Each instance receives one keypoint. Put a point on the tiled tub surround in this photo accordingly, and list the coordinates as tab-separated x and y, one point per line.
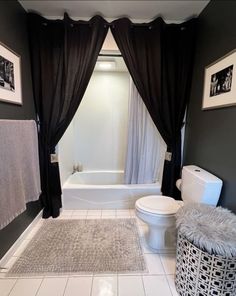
158	281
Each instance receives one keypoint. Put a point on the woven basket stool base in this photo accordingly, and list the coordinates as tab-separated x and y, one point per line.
201	274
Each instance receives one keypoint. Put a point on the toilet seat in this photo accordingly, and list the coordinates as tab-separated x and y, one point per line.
158	205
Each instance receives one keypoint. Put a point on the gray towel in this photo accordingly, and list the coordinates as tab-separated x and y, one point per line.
19	167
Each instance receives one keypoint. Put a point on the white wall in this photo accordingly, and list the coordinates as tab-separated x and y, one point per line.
66	153
100	124
97	135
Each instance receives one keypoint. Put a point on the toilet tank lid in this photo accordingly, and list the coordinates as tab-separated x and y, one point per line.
201	174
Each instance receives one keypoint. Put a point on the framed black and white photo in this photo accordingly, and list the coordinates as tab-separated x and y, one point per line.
220	83
10	76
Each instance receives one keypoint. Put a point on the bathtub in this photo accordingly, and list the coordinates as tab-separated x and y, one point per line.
103	190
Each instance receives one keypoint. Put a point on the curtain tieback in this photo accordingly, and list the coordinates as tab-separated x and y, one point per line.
53	158
168	156
53	155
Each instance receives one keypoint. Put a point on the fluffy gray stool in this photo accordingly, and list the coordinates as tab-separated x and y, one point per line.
206	251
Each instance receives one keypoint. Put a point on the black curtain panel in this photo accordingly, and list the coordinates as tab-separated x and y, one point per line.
64	54
159	57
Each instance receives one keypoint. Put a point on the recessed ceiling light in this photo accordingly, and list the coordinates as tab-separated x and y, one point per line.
106	65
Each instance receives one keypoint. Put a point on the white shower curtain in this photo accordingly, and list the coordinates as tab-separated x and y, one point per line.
145	148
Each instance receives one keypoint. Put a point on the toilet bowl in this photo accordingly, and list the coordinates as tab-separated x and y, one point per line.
158	211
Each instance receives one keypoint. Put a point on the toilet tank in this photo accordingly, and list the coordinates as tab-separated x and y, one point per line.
200	186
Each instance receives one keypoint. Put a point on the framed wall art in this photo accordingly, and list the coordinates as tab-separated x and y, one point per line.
10	76
220	83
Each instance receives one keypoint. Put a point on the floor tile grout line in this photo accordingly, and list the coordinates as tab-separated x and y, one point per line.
66	286
117	291
162	264
39	286
90	275
143	286
117	283
159	275
169	285
91	289
12	287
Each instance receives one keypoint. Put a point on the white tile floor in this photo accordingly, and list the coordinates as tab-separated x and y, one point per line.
159	281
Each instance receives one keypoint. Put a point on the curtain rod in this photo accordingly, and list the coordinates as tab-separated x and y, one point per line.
109	55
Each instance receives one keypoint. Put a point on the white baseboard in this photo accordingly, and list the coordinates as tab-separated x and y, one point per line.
16	244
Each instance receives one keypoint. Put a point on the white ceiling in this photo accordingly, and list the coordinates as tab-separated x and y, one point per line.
171	11
175	11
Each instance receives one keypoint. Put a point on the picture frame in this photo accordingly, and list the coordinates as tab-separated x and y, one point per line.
10	76
220	83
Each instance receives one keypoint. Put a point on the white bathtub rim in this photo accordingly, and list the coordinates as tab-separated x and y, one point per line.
100	171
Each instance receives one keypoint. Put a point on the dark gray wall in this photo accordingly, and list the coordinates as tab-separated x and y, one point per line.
211	135
13	33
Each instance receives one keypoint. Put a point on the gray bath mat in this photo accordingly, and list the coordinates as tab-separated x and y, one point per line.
82	246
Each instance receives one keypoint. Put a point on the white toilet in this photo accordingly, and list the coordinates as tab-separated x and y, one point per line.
158	211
